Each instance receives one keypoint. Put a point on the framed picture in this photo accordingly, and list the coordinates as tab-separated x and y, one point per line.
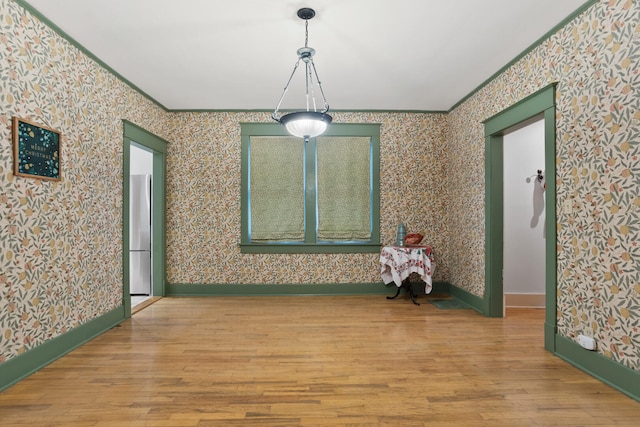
36	150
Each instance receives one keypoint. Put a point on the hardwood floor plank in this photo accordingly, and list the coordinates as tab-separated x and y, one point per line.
315	361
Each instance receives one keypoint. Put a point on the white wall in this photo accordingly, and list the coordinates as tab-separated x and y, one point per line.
141	161
524	225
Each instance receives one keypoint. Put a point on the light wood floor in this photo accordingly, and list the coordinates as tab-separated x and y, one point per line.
315	361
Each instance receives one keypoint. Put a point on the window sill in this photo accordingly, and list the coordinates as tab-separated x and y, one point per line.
305	248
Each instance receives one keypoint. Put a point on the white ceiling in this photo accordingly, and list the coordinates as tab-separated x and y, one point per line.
370	54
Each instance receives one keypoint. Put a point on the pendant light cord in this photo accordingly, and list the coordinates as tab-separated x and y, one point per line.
306	55
306	33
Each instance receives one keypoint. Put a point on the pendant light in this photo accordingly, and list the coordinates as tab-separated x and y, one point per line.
310	122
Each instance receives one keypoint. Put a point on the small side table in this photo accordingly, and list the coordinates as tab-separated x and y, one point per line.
398	262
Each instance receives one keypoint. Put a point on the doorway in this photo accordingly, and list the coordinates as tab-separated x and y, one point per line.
541	103
140	224
138	142
524	222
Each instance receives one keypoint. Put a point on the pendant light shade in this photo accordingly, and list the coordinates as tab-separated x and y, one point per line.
310	122
306	124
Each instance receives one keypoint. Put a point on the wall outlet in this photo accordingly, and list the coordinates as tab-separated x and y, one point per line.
587	342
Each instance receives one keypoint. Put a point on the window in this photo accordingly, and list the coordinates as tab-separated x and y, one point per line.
322	196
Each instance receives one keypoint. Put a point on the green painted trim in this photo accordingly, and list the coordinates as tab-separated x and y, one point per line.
126	206
620	377
144	137
441	288
531	47
301	248
159	217
84	50
276	289
135	135
332	111
375	202
20	367
392	111
494	217
334	129
520	114
522	110
310	192
75	43
550	331
218	110
477	303
371	130
551	240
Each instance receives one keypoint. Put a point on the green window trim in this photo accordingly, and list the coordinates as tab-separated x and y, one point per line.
308	246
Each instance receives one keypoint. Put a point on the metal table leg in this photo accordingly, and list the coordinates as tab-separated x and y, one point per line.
406	284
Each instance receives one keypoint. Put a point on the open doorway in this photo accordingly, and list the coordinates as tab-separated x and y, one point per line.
140	224
139	149
541	103
524	221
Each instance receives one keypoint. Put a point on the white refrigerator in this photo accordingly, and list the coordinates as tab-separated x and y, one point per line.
140	235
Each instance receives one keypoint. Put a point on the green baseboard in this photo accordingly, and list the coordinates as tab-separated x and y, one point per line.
549	337
276	289
606	370
475	302
20	367
618	376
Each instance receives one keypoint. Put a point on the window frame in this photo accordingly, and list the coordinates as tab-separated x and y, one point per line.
311	245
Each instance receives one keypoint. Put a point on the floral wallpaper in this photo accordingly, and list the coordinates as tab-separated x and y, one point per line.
60	245
595	60
61	251
203	206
